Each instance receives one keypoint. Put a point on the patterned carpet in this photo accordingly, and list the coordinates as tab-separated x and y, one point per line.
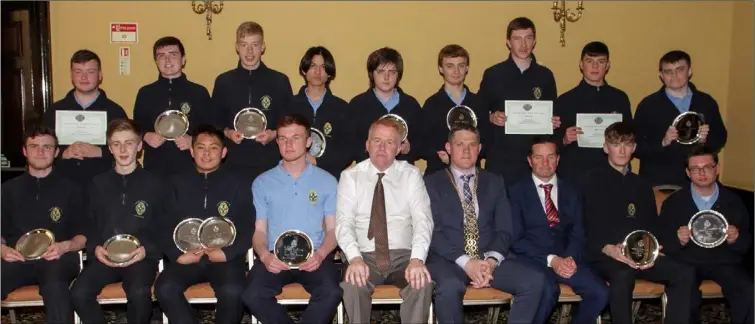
713	312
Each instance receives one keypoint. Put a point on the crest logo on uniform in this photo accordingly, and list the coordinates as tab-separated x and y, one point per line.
313	197
537	93
223	208
55	214
185	108
327	128
598	120
140	207
631	209
266	101
527	107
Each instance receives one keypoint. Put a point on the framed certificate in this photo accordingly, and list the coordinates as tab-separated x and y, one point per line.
80	126
593	128
529	117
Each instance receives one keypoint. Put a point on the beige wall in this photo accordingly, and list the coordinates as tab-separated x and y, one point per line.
638	33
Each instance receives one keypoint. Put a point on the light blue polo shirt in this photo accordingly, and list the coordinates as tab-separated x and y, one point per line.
295	204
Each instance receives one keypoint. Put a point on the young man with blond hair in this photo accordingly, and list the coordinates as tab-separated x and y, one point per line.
250	84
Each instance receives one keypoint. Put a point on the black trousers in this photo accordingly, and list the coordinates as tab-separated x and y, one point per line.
137	283
322	284
736	285
678	278
53	278
226	279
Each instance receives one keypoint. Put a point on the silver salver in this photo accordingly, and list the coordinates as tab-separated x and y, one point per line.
119	248
294	247
708	228
688	126
34	243
250	122
317	149
172	124
461	115
641	247
186	234
217	232
403	127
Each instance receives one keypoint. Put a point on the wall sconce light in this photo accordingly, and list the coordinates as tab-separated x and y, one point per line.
562	15
208	7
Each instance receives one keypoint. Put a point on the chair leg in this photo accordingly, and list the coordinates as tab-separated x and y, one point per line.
664	301
496	312
339	313
76	318
430	314
165	318
12	313
563	313
635	309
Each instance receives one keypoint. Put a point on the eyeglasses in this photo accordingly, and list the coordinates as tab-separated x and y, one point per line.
706	168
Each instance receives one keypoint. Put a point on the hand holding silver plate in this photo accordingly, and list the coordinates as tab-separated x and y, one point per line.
33	244
708	228
641	247
317	149
250	122
119	248
688	126
294	247
461	115
172	124
402	125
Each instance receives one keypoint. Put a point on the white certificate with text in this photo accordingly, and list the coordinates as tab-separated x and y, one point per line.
529	117
593	128
80	126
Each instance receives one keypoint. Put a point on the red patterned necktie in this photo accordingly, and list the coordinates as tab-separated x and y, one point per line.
550	208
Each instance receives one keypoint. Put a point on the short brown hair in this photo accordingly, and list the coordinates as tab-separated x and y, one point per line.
519	24
382	56
463	127
35	130
123	124
249	28
295	119
388	122
451	51
620	132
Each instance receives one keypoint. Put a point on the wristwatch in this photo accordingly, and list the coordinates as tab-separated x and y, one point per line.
494	259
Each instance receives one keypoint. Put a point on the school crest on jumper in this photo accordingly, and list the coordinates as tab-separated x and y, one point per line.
55	214
266	101
327	128
185	108
140	207
631	209
223	208
312	197
537	93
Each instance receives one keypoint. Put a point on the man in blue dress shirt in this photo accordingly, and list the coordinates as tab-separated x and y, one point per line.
294	195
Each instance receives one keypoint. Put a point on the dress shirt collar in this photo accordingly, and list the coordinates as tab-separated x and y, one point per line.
373	170
538	182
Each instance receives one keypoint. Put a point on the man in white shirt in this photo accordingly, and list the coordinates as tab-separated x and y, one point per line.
547	214
376	197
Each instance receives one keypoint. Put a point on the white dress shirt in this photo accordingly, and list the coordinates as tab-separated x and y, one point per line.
407	207
554	198
461	261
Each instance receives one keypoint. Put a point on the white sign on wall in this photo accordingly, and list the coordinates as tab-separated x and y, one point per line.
124	60
124	33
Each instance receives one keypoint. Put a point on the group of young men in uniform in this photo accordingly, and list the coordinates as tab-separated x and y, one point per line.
543	211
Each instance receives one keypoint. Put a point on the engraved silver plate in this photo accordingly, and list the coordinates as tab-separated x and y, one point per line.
708	228
318	143
250	122
293	247
172	124
34	243
688	127
217	232
403	127
186	234
119	248
641	247
461	115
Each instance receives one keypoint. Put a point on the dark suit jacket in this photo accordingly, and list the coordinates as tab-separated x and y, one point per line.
494	219
533	236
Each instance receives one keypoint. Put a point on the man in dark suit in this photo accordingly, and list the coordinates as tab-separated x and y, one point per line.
547	218
472	234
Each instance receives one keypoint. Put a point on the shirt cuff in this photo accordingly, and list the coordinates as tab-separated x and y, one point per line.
351	253
549	259
462	260
495	255
419	252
